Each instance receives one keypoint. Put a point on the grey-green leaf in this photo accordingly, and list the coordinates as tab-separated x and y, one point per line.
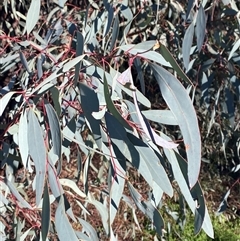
200	27
33	15
182	108
24	61
54	184
16	194
88	228
4	101
136	196
37	152
63	226
55	133
23	138
160	116
191	3
46	213
187	44
112	108
168	57
180	175
147	208
109	20
117	187
235	47
71	63
153	163
145	52
90	103
115	32
79	51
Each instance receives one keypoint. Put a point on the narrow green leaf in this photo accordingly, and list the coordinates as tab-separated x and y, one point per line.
39	38
118	135
9	58
127	80
100	114
46	88
136	49
197	195
46	213
111	106
148	130
168	57
2	197
69	130
229	95
182	108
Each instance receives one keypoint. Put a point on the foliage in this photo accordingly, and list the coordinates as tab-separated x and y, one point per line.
223	229
79	116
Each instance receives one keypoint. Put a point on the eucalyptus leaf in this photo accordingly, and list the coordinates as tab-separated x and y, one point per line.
181	106
37	152
33	15
55	133
187	44
200	27
46	215
63	226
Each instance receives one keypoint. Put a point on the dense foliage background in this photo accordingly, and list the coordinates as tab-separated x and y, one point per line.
108	109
